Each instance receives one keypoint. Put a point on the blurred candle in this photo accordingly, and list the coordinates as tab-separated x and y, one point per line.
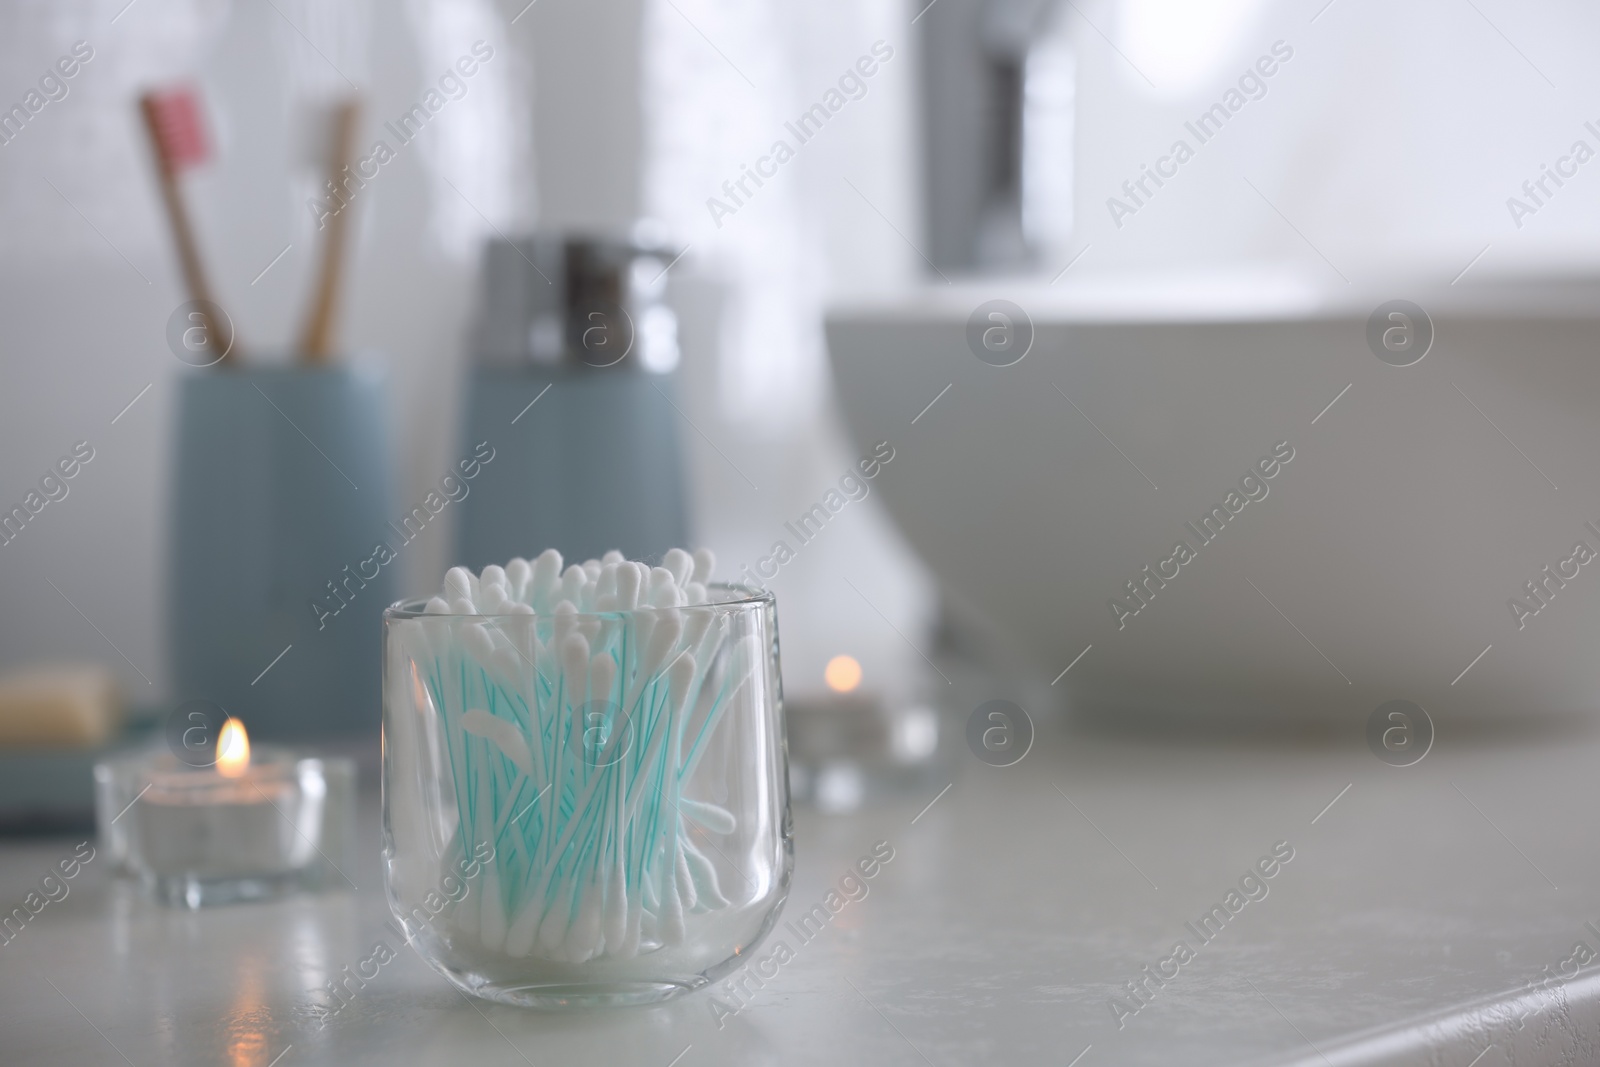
250	827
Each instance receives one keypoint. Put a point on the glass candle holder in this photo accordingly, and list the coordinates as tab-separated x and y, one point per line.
586	808
194	837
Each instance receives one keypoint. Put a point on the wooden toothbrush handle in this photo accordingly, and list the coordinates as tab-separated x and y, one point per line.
316	341
194	274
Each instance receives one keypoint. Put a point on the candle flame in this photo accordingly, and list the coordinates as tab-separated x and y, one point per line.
233	749
842	674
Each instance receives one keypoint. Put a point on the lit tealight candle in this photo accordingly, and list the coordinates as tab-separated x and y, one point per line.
849	741
233	750
249	827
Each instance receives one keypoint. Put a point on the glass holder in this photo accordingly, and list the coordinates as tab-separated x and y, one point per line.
586	808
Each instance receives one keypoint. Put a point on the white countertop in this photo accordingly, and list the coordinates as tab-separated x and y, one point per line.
1414	911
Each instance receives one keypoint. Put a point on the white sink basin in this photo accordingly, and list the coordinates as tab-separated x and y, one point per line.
1378	566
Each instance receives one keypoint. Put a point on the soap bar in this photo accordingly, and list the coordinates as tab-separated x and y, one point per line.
60	705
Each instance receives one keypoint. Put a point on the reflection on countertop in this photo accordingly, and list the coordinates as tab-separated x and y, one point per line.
1422	911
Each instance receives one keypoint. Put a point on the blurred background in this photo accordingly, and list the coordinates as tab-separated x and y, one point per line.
993	140
643	120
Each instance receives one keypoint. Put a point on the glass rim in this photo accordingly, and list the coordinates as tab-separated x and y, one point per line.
749	596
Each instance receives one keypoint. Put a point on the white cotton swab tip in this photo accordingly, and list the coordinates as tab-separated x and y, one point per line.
553	934
663	639
493	929
583	939
521	934
458	583
545	578
705	561
695	629
566	620
627	586
663	589
616	913
573	579
503	734
707	887
574	652
672	928
679	564
714	819
686	887
492	599
660	577
477	641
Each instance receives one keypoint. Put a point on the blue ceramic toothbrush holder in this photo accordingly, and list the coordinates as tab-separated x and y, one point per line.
276	586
